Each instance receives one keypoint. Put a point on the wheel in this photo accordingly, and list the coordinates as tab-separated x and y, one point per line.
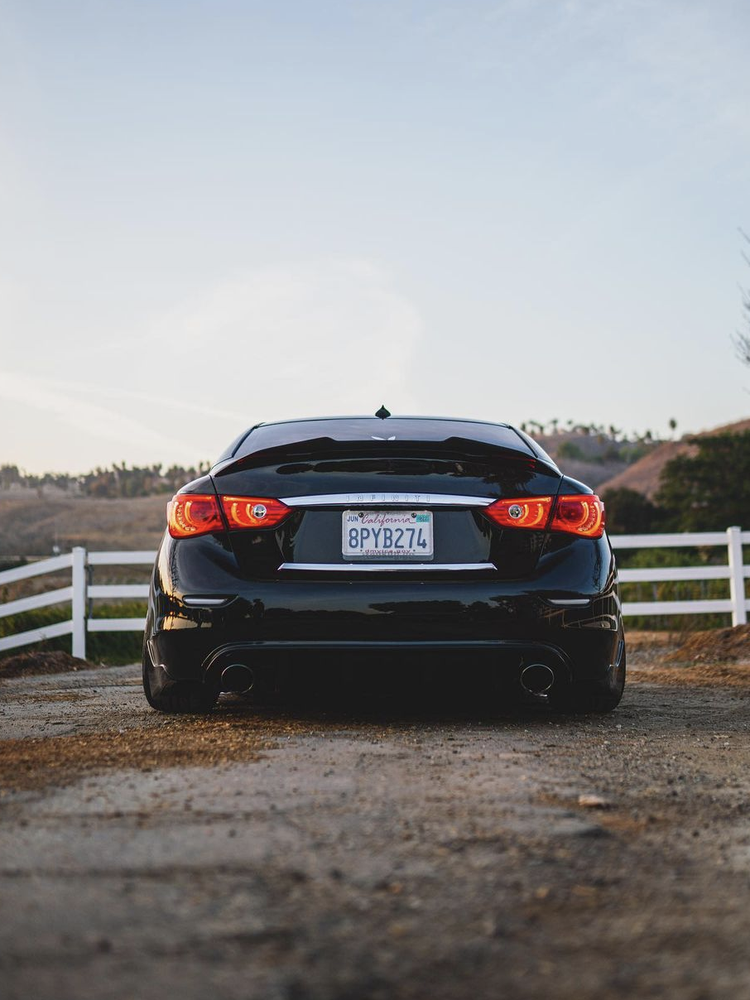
587	698
176	697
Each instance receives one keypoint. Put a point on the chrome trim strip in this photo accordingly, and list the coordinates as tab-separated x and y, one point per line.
205	602
396	567
387	500
570	602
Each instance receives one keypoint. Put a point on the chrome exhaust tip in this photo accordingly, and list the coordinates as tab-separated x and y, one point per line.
537	678
237	678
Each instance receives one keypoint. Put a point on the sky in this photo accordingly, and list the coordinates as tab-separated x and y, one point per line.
218	212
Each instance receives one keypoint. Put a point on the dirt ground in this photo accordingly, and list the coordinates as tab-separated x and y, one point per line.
455	851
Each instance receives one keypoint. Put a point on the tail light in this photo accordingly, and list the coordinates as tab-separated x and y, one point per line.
581	515
529	513
191	514
254	512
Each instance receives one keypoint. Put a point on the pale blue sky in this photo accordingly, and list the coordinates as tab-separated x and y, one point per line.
214	213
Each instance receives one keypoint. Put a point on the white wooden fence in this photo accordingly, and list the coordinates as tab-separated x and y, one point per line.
733	538
81	592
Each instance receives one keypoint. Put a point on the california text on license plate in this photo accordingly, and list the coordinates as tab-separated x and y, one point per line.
387	534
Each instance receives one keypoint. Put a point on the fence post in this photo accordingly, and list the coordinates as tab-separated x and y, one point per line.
79	582
736	576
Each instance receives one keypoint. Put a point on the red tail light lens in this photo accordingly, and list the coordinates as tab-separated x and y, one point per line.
254	512
532	512
190	514
579	515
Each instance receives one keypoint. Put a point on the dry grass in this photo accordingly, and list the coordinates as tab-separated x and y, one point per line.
30	664
27	764
719	645
31	526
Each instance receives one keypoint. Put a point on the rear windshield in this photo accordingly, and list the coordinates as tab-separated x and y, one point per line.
400	474
268	437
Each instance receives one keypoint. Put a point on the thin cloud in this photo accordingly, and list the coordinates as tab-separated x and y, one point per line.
67	411
331	336
151	398
270	343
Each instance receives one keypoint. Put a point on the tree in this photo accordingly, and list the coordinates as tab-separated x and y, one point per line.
741	339
630	512
570	450
710	490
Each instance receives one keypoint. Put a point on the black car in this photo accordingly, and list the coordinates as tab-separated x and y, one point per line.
385	543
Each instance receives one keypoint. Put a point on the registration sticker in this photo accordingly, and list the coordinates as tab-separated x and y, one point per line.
387	534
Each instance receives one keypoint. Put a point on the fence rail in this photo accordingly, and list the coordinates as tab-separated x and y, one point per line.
81	592
734	571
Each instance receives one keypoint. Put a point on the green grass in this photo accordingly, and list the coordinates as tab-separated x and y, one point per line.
677	590
112	648
115	648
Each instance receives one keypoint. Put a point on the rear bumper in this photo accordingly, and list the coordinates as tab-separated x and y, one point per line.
202	610
293	620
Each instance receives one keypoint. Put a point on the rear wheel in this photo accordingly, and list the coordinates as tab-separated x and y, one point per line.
585	697
180	697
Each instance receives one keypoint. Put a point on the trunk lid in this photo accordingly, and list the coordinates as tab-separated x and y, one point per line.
443	485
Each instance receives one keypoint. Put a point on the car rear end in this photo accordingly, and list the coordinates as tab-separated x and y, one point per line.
373	539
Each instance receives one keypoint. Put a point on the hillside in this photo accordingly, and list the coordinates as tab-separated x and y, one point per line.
33	525
590	459
39	516
34	521
644	475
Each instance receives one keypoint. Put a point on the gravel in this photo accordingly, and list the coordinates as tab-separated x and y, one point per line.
291	853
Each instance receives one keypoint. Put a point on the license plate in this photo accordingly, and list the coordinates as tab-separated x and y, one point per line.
387	534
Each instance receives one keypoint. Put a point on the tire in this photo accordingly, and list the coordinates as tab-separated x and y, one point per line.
180	697
589	699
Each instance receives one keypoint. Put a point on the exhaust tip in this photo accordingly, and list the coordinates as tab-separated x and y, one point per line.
537	678
237	678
